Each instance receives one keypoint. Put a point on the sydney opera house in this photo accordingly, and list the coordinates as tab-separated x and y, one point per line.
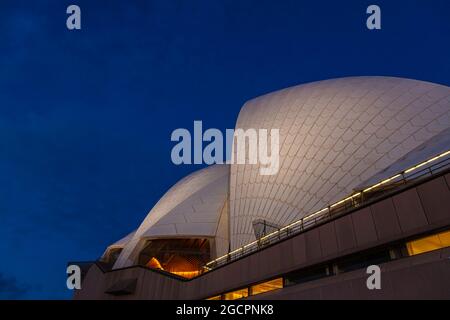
364	179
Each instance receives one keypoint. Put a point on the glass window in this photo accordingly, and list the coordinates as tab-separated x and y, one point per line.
183	257
215	298
267	286
445	238
430	243
237	294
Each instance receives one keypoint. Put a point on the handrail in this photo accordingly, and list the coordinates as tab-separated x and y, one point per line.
353	201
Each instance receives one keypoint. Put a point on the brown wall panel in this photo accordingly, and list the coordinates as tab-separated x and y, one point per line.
364	227
244	269
299	249
92	285
429	257
420	281
167	290
328	241
313	249
409	210
337	290
232	272
435	198
308	294
138	274
237	271
214	284
445	253
271	260
254	266
263	260
447	179
150	286
385	218
345	233
287	255
360	290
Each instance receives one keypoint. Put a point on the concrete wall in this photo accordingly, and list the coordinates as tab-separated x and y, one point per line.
425	276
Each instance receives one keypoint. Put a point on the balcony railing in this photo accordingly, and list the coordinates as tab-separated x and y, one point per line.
407	177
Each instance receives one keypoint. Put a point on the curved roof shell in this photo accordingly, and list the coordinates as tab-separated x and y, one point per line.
190	209
334	135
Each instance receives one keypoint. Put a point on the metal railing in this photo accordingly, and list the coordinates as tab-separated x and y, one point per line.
379	190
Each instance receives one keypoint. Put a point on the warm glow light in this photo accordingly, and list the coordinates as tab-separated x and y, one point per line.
237	294
315	214
250	244
267	286
268	236
254	290
429	243
346	199
154	264
186	274
291	225
381	183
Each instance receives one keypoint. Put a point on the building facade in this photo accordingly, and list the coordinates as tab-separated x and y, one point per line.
363	180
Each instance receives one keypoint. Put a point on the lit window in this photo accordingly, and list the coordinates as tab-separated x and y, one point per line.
215	298
234	295
267	286
183	257
430	243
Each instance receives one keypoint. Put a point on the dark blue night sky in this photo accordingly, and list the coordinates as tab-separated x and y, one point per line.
86	116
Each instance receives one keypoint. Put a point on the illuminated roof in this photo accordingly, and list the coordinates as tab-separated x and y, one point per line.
336	136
